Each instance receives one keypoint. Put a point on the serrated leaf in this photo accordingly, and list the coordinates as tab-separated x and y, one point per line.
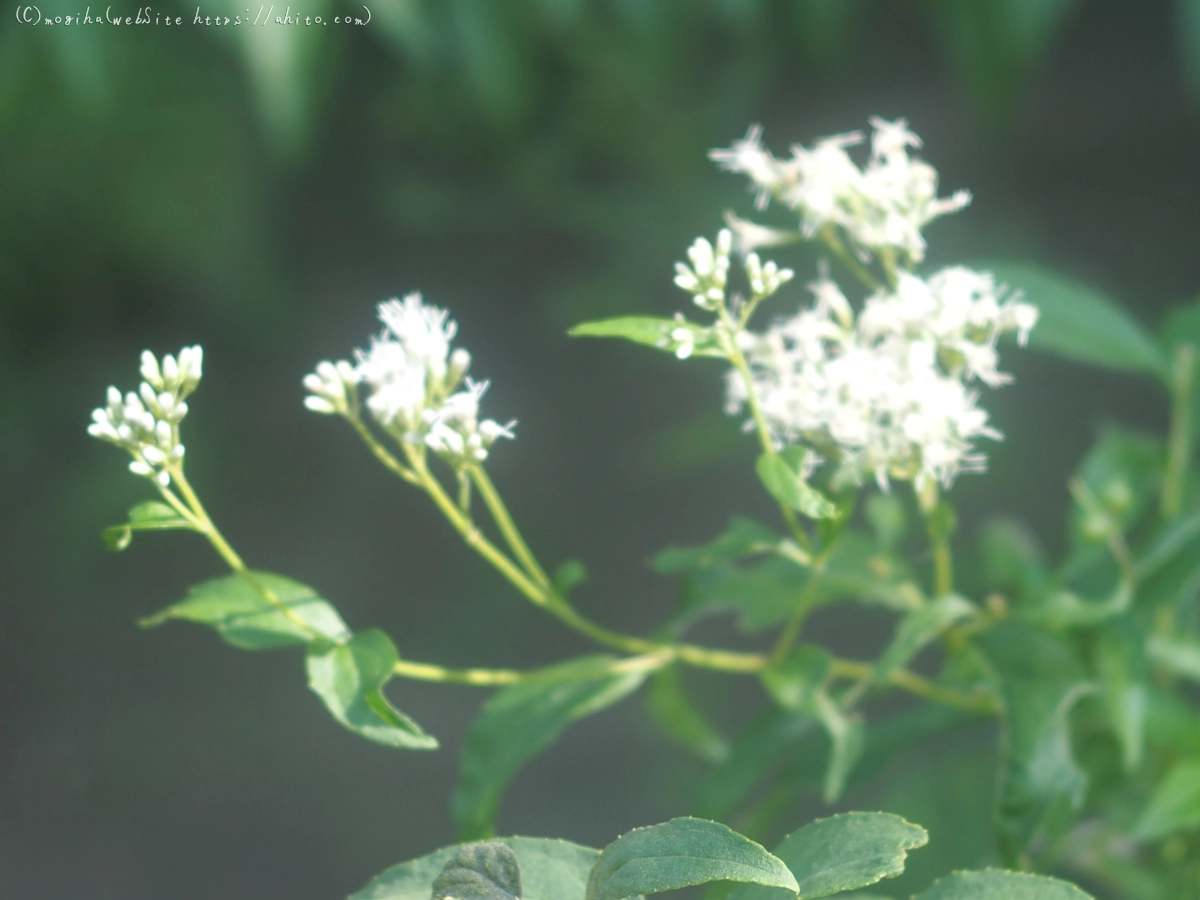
918	629
743	537
550	870
519	722
487	871
783	481
247	620
1080	323
651	331
793	682
678	717
349	679
993	884
843	853
1175	804
1041	784
147	516
681	853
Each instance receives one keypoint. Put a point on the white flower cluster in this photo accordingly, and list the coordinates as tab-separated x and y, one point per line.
146	422
886	395
413	377
708	273
881	207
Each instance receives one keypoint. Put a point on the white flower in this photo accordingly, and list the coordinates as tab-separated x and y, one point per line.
411	375
146	422
880	207
885	396
705	278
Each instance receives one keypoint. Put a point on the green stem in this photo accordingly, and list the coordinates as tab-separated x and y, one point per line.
499	677
495	505
1179	443
913	683
381	452
803	606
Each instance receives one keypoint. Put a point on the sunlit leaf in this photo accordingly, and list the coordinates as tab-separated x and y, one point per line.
993	884
681	853
349	679
235	606
842	853
782	478
147	516
650	331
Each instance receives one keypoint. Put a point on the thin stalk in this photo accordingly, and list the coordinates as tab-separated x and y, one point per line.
381	452
918	685
491	497
795	623
1179	444
834	243
499	677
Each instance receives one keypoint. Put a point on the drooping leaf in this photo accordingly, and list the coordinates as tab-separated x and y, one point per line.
993	884
240	613
1041	784
919	628
782	478
1080	323
681	720
1175	804
681	853
843	853
847	735
650	331
147	516
487	871
550	870
349	679
743	537
522	720
794	681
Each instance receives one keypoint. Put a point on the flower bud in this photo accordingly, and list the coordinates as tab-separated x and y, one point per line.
150	370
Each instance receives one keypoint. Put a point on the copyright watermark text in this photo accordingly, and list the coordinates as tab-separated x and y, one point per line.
28	14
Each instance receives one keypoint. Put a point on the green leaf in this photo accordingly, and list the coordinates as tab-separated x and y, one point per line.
1041	784
1012	560
918	629
793	682
486	871
681	853
569	576
519	722
1175	805
843	853
743	537
781	477
1080	323
846	742
992	884
1121	669
888	520
550	870
1179	655
147	516
248	621
678	717
770	738
349	679
650	331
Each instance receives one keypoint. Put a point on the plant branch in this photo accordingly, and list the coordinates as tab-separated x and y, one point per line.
1179	442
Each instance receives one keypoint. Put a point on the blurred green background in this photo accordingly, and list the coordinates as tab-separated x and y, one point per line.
526	163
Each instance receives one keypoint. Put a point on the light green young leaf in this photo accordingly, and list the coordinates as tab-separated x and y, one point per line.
678	717
1180	655
147	516
550	870
1175	805
349	679
1080	323
783	481
794	681
847	738
1042	784
681	853
519	722
918	629
247	620
993	884
843	853
651	331
487	871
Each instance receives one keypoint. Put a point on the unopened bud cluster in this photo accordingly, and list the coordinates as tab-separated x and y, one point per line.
415	384
146	422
